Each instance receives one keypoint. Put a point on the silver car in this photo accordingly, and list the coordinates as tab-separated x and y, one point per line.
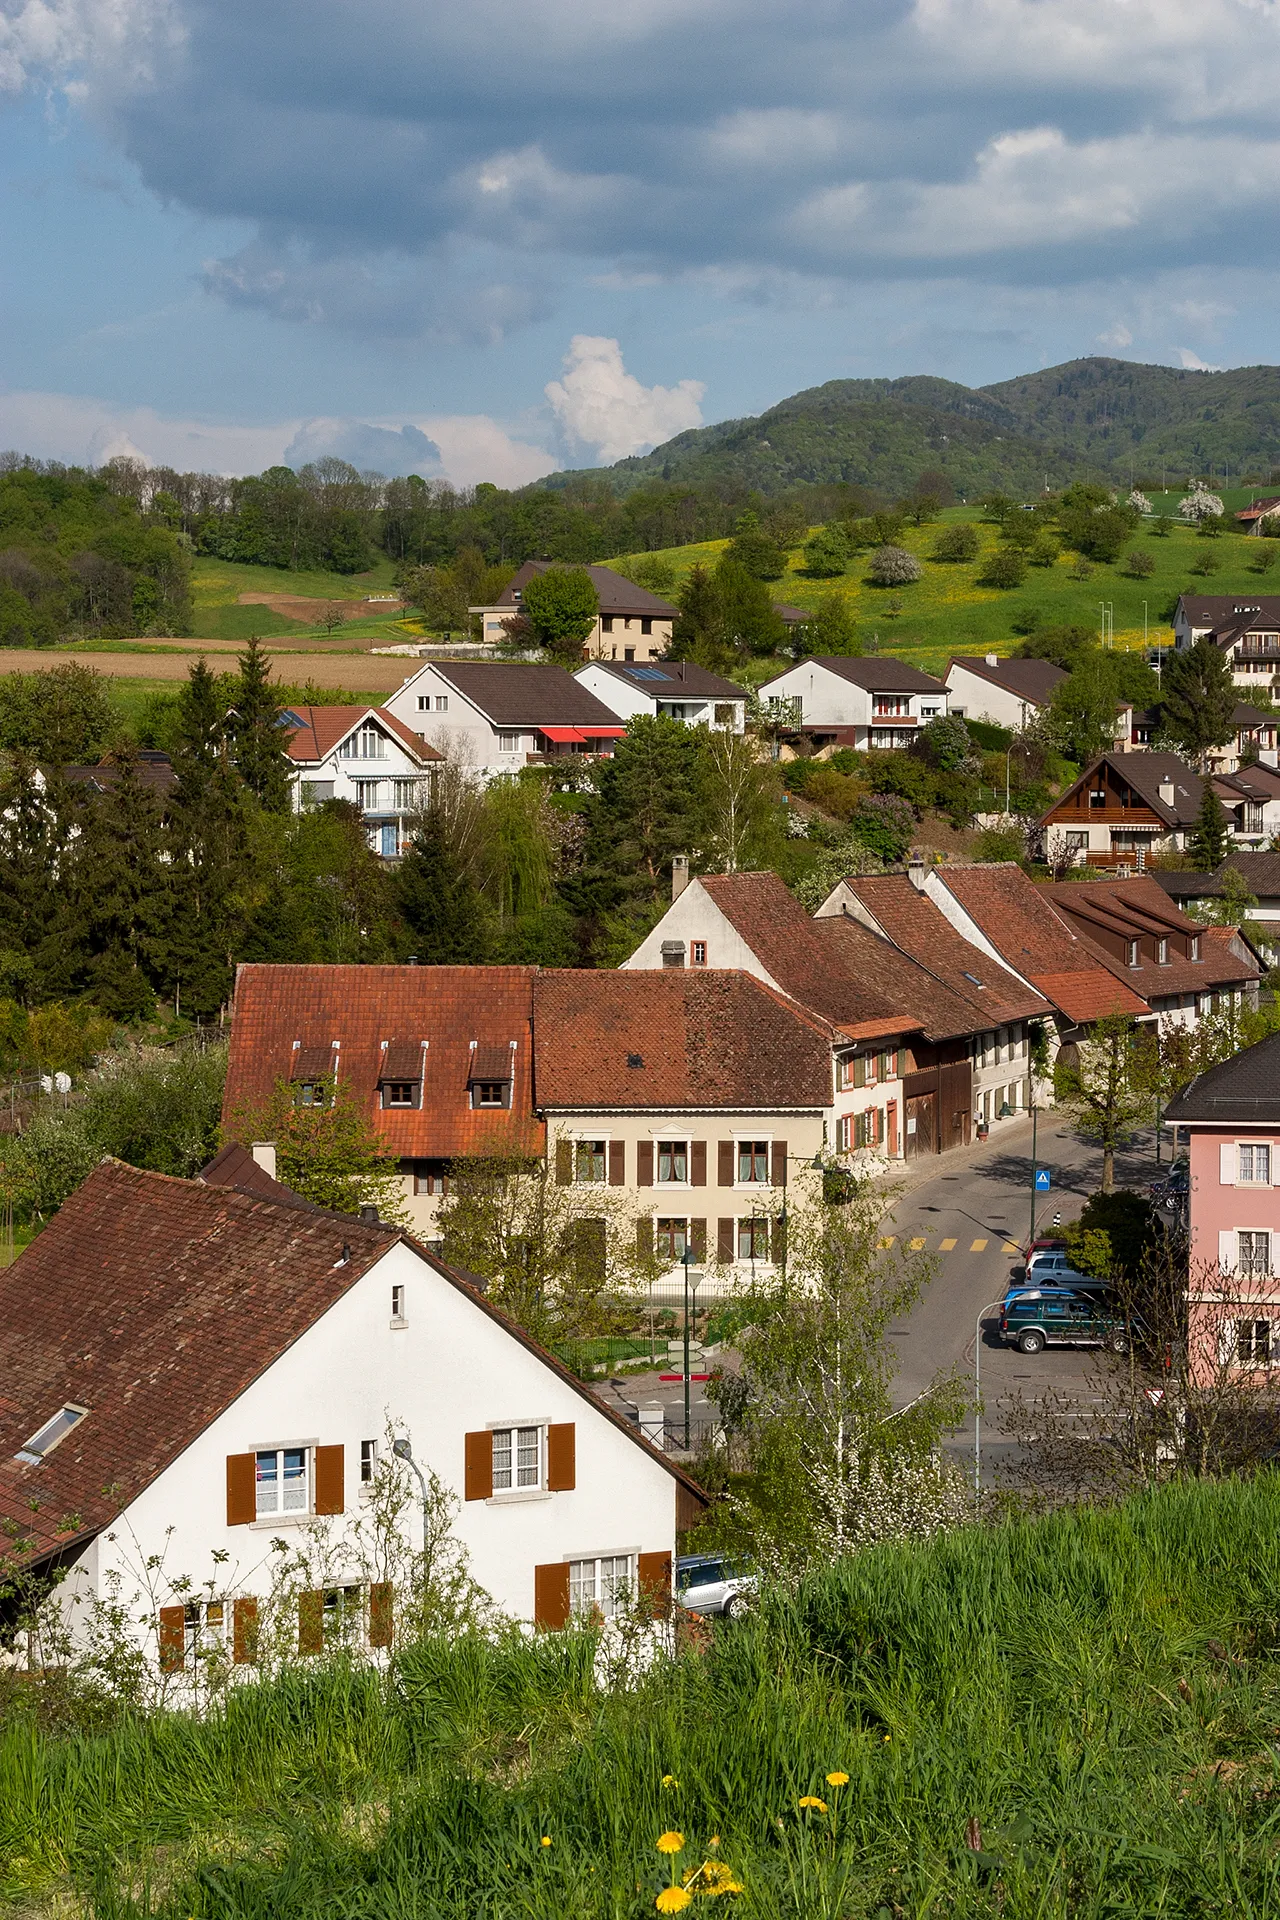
705	1584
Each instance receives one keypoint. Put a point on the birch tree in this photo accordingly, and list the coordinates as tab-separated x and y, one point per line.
1096	1082
742	795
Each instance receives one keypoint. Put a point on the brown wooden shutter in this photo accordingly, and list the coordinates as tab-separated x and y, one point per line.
654	1570
244	1631
698	1239
644	1163
644	1237
478	1474
173	1639
381	1613
310	1623
330	1480
689	1508
564	1163
562	1457
242	1489
551	1596
778	1166
617	1163
697	1163
724	1240
859	1070
726	1163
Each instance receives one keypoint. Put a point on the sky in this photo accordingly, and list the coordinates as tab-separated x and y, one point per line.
481	242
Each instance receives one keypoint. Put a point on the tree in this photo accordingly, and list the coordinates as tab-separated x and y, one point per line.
1139	564
761	556
118	885
700	632
885	824
437	899
1199	503
1080	719
329	1153
41	938
956	543
750	624
562	608
1094	1082
893	567
332	615
1003	568
945	743
1197	699
650	804
826	553
1138	501
742	797
64	717
1210	840
257	738
1097	533
830	629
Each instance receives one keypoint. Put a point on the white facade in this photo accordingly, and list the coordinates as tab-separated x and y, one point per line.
974	695
822	697
628	699
436	1365
447	719
373	768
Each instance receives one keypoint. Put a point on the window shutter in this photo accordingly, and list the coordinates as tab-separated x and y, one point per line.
330	1480
561	1457
644	1164
644	1237
478	1474
724	1240
698	1163
1227	1163
244	1631
617	1163
242	1489
698	1238
551	1596
879	1126
726	1163
654	1576
310	1623
564	1163
859	1070
381	1613
173	1638
1227	1250
778	1163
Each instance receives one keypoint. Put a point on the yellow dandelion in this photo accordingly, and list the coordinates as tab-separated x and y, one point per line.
887	1739
670	1842
812	1800
669	1780
546	1839
714	1841
672	1900
837	1779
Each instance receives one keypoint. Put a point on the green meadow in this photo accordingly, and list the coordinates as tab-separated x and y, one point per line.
217	584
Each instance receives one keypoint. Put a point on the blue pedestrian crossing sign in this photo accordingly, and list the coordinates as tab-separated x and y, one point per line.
1043	1179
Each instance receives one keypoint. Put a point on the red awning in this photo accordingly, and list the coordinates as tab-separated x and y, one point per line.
602	733
568	736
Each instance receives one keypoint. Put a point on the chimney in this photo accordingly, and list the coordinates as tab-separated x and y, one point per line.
993	659
679	875
412	961
368	1216
1166	792
915	872
264	1155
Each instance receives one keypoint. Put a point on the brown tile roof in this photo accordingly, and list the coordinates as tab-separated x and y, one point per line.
524	695
878	673
154	771
920	1000
614	591
1138	906
234	1166
702	1039
1025	679
787	943
324	728
1019	919
1259	871
1144	773
1215	609
449	1007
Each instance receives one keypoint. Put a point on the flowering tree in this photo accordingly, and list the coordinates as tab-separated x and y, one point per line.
1139	502
893	567
1199	504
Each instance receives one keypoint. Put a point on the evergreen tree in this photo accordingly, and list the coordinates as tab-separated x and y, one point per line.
437	899
650	804
41	940
1198	699
258	740
119	885
1210	841
750	623
700	634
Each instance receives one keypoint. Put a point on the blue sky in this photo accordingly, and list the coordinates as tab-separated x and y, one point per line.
490	240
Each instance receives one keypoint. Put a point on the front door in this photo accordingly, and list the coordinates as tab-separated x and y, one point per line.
389	848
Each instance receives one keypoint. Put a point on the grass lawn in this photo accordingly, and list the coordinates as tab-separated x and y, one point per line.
217	584
947	612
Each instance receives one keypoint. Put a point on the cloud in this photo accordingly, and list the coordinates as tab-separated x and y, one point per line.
376	449
1117	336
599	404
1193	363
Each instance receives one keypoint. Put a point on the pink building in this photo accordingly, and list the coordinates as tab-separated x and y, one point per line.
1232	1114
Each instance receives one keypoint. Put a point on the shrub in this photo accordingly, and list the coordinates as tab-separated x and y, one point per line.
762	557
1004	568
836	793
885	824
893	567
945	743
1000	843
1207	563
956	543
1043	551
827	553
1139	565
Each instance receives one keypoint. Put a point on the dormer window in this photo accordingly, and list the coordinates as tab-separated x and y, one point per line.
1162	953
367	743
490	1077
1195	946
1134	951
400	1074
312	1075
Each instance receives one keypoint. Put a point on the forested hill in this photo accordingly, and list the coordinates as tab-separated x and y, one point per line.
1097	416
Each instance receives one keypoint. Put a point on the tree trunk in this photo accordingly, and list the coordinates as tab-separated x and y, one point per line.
1108	1169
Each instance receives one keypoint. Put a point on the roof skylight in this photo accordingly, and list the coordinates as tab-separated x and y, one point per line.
47	1438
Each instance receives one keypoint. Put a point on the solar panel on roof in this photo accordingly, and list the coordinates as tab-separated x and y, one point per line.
647	673
290	719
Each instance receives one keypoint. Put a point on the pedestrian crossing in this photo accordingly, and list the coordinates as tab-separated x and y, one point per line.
917	1243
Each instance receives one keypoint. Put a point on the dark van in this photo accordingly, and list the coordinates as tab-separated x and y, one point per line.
1058	1317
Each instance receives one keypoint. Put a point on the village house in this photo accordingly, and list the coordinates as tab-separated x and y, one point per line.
1246	628
1011	693
1260	873
674	689
832	701
633	624
495	717
1254	517
1121	809
1180	968
364	755
194	1370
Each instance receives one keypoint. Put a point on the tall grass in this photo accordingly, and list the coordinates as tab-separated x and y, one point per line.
1096	1691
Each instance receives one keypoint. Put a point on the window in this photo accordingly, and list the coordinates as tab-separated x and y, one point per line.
606	623
369	743
489	1093
646	623
342	1616
429	1177
203	1624
673	1163
424	703
442	703
405	792
397	1305
891	705
368	1462
1255	1166
844	1133
47	1437
753	1239
590	1159
1253	1257
698	953
400	1093
367	792
1195	946
673	1238
1253	1341
283	1481
1133	953
508	743
844	1072
598	1586
312	1093
1076	839
1162	952
517	1458
316	791
673	953
628	653
753	1163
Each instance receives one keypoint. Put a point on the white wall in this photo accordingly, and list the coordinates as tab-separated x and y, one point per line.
349	776
826	699
626	700
459	731
695	916
983	701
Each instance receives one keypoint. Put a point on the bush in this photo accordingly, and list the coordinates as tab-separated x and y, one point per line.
1140	565
945	743
893	567
1004	568
835	793
904	774
762	557
827	553
1043	551
956	543
885	824
1000	843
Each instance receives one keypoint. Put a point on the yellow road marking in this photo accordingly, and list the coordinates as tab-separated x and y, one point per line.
1011	1246
915	1245
946	1245
888	1240
979	1246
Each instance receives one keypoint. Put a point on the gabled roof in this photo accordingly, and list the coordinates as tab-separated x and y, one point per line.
875	673
1261	508
668	679
321	729
1242	1091
154	1303
1145	773
154	771
920	999
710	1039
361	1007
515	694
1029	680
1216	609
614	591
1139	906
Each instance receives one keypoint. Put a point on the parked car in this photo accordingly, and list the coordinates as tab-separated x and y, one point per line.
1062	1317
1049	1260
707	1584
1062	1280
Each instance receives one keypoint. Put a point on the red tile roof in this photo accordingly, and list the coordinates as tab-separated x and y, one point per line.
700	1039
360	1007
1020	920
324	728
1140	906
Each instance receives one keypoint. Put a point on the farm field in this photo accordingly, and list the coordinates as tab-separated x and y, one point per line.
220	614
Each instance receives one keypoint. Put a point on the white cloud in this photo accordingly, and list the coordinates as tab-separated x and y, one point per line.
1117	336
599	404
1193	363
388	450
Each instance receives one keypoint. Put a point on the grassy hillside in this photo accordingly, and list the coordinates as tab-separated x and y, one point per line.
1072	1717
948	612
217	614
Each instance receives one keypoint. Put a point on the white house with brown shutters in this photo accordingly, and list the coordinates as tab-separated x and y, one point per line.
194	1370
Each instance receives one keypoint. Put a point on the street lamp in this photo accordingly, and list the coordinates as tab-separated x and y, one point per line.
977	1399
403	1451
687	1259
